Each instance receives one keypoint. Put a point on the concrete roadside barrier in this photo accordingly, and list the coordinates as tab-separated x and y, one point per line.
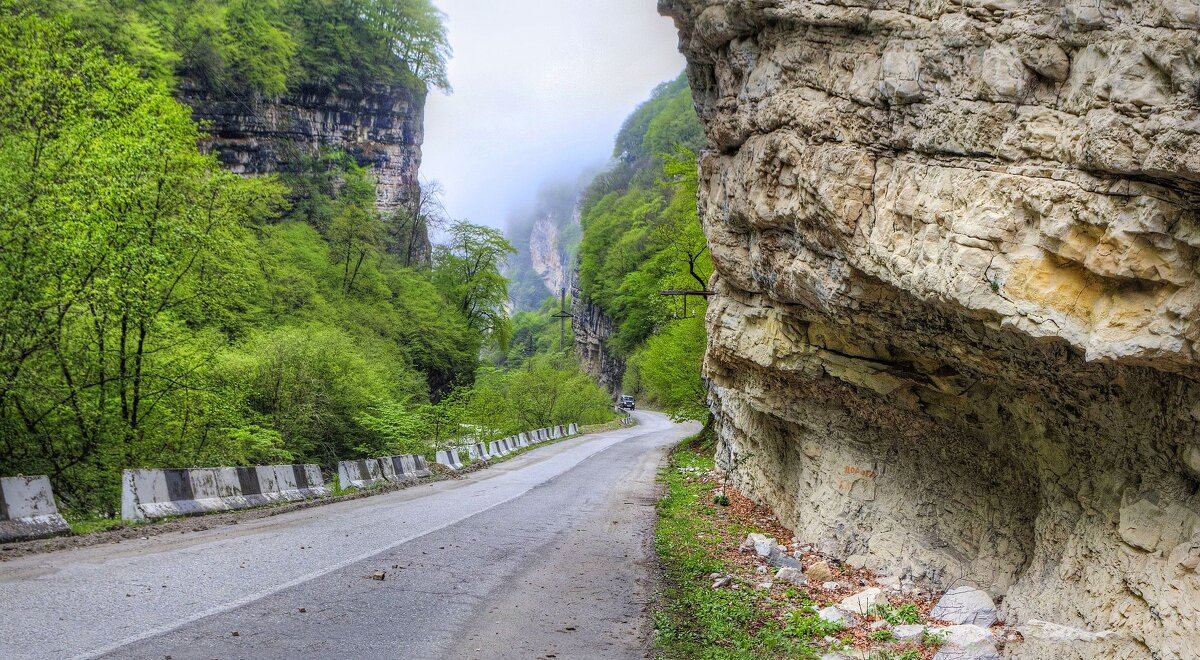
555	432
479	452
572	429
360	473
27	509
449	458
406	467
497	448
148	494
528	440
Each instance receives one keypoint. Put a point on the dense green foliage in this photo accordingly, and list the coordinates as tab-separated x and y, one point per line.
535	381
156	310
641	235
245	47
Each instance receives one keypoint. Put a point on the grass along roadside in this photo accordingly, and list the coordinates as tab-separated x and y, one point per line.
719	602
88	531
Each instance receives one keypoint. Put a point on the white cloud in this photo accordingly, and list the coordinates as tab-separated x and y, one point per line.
540	89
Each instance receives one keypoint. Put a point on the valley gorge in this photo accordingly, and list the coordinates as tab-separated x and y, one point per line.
955	331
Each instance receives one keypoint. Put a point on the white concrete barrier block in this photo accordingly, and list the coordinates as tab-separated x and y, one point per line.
572	429
148	494
406	467
360	473
449	458
28	510
479	452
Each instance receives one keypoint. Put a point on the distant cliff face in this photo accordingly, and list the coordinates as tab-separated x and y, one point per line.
546	235
592	329
546	254
958	312
381	127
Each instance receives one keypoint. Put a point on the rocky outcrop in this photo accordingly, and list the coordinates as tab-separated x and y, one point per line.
545	253
958	301
546	234
381	127
592	328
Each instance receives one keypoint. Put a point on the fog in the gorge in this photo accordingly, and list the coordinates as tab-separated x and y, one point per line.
540	90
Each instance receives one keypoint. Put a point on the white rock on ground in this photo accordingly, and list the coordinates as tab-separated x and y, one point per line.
908	633
791	575
863	601
760	543
966	605
966	642
836	615
779	558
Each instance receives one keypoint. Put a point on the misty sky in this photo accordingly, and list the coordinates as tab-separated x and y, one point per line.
540	89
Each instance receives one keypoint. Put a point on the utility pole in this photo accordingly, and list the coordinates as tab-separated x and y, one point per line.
562	317
684	293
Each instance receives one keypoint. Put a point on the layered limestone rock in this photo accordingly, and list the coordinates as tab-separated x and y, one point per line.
545	254
958	302
592	329
382	127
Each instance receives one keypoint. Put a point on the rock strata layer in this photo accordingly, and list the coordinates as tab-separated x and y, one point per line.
958	301
592	329
382	127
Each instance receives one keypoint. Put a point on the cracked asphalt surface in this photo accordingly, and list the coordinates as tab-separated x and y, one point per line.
548	555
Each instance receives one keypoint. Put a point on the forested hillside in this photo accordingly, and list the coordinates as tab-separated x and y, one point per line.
641	235
158	311
265	47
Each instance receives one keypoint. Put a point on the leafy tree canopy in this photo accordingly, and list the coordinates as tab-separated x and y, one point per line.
267	47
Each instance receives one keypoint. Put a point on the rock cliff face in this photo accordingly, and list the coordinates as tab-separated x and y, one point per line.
592	328
956	332
382	127
546	234
546	255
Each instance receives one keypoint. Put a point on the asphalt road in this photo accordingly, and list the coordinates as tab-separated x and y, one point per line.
548	555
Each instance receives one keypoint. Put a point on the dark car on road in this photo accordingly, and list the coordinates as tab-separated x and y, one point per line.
625	402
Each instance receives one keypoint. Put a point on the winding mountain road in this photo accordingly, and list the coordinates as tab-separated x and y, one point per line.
548	555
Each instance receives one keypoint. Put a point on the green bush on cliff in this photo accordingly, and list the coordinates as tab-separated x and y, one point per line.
239	48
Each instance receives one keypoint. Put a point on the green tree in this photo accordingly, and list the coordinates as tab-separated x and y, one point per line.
467	268
115	228
416	33
257	45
